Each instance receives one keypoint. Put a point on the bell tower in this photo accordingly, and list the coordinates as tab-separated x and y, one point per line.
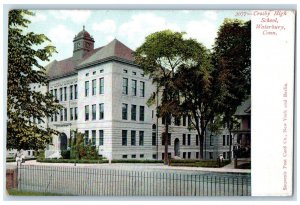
83	43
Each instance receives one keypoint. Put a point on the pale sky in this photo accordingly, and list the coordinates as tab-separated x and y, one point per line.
129	26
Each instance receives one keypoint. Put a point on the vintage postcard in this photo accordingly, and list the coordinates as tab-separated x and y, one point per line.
150	103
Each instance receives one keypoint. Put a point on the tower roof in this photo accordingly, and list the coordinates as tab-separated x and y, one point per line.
83	34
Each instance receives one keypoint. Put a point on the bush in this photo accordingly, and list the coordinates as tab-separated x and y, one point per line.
81	161
136	161
65	154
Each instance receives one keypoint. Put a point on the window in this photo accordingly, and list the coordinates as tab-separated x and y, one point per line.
55	117
101	137
142	74
61	115
197	140
65	92
124	156
211	155
164	119
133	133
124	111
76	113
184	120
86	88
141	138
142	113
93	87
169	139
230	139
142	89
183	139
71	114
124	137
101	85
101	71
61	94
94	112
93	137
66	114
189	155
133	112
197	155
87	74
183	155
86	137
152	114
189	139
227	139
86	112
125	71
55	94
71	92
189	120
141	155
133	73
125	86
224	155
133	156
211	140
76	91
177	121
153	138
94	72
51	118
101	111
154	156
223	140
133	87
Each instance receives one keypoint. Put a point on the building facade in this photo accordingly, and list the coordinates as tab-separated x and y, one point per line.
104	95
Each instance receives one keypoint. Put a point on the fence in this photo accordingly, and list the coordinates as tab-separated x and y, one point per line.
114	182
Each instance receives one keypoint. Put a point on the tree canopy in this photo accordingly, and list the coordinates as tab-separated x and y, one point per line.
25	50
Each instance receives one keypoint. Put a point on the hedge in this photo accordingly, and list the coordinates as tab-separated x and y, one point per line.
81	161
14	160
136	161
198	163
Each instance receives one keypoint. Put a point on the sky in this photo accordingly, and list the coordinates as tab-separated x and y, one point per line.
128	26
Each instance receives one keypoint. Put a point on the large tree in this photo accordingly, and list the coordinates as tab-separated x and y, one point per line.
231	59
160	56
25	51
217	86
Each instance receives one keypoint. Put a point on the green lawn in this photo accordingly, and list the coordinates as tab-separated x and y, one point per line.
15	192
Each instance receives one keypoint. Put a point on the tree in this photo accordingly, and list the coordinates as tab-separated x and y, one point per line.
220	82
160	56
232	62
24	104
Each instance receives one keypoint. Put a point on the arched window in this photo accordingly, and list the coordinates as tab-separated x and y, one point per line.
154	126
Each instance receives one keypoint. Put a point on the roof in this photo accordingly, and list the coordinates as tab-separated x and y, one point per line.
244	108
115	50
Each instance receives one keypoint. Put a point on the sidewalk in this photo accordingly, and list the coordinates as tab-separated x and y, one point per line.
136	166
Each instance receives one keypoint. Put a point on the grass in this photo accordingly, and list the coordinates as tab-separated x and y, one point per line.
197	163
15	192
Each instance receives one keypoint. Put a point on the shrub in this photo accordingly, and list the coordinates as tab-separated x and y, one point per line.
81	161
65	154
136	161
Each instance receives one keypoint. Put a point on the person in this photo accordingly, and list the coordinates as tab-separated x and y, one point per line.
221	158
20	158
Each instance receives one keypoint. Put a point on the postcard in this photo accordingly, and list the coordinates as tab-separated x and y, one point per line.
153	103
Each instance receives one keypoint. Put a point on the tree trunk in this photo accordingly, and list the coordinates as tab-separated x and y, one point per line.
201	140
166	137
